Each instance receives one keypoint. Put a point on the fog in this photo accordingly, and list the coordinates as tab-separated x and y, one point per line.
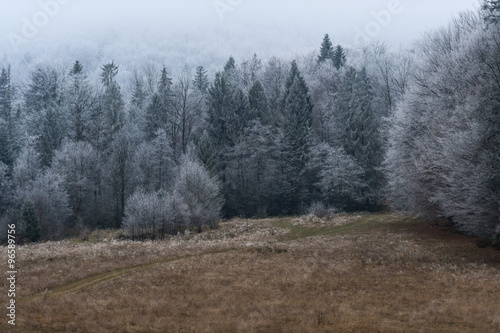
206	32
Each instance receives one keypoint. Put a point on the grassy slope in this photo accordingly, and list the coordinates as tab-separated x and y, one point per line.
359	273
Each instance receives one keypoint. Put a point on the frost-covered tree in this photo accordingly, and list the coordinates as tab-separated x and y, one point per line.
120	171
250	71
145	215
27	166
231	72
139	93
154	163
159	113
323	85
200	193
187	114
7	118
79	102
259	106
112	105
340	179
193	202
79	166
492	11
6	193
108	73
272	80
200	81
443	151
45	118
51	203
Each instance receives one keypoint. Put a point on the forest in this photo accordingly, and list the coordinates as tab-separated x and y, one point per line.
339	130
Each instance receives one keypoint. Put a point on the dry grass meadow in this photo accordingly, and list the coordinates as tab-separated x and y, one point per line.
349	273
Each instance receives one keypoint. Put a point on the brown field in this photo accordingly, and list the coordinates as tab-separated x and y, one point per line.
356	273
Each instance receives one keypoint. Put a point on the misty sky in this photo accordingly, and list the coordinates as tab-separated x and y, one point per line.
309	20
190	33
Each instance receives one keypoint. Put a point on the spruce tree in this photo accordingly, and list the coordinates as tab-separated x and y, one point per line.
139	94
79	102
258	104
326	50
77	68
227	109
230	65
200	81
296	131
113	106
45	119
231	73
6	193
159	111
240	116
29	218
339	57
219	114
109	71
113	112
360	129
6	119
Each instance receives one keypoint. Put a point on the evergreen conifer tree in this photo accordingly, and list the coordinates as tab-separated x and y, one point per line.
339	57
29	218
230	65
200	81
6	119
109	71
159	111
79	102
326	50
43	101
219	114
139	94
360	128
113	106
259	104
296	130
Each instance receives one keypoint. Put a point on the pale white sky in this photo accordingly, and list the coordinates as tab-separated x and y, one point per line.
238	18
205	32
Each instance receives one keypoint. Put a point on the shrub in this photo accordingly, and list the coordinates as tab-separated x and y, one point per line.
320	210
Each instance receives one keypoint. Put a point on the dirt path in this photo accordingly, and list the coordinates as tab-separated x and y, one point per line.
297	232
89	281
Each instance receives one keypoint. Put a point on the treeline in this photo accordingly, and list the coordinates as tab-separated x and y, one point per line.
443	157
347	130
264	139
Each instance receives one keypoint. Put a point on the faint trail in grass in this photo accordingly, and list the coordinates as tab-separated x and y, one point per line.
89	281
362	224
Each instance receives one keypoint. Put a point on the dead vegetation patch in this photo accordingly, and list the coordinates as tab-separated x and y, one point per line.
359	273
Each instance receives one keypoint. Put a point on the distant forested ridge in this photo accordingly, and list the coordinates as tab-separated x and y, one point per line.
340	130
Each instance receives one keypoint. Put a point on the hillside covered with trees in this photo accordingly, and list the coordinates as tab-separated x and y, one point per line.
343	130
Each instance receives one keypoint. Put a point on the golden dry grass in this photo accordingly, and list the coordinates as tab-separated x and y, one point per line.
359	273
